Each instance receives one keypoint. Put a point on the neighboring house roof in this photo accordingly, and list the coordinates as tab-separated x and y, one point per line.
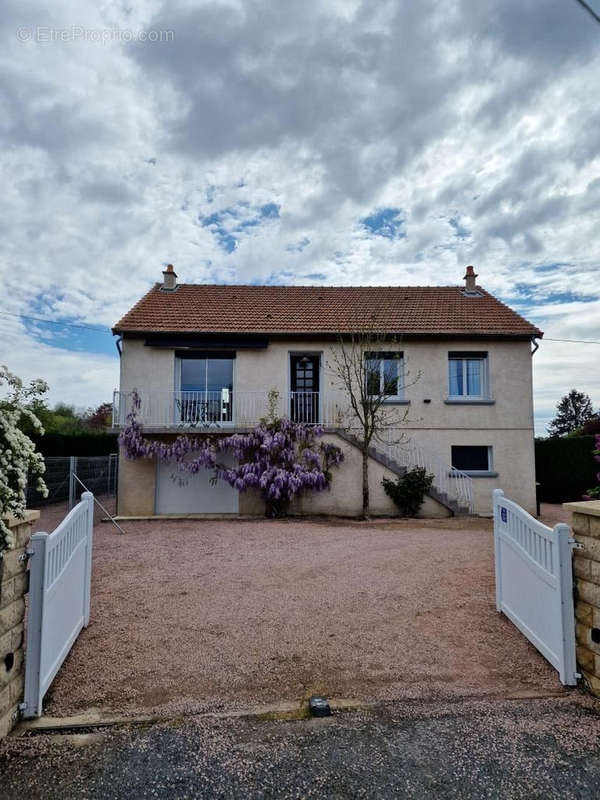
410	310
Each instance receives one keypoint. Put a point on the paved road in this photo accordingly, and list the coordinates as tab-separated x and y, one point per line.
509	749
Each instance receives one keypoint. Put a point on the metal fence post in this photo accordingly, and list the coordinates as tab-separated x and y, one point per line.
32	706
88	499
72	485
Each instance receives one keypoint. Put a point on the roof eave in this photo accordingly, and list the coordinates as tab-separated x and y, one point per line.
525	335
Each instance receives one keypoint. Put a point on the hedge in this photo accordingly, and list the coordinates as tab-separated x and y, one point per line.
77	444
565	468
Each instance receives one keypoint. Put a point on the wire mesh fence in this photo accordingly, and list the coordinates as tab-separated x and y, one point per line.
99	474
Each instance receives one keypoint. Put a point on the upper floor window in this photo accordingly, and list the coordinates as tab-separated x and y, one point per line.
208	375
384	374
204	385
468	375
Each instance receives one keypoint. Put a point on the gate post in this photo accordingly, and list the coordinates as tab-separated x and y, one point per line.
586	568
32	707
497	498
88	499
568	674
13	587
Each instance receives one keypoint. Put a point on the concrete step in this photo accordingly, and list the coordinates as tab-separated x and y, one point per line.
454	505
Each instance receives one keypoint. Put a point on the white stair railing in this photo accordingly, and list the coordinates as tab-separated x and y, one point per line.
246	408
454	483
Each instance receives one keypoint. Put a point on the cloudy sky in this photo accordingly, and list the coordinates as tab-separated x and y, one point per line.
335	142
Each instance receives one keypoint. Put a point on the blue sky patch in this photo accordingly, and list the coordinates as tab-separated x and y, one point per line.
315	276
551	267
68	334
459	230
533	293
298	247
228	224
386	222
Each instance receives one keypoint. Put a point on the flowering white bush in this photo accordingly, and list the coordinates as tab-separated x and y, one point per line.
18	456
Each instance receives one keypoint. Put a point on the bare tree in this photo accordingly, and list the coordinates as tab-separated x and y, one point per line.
371	371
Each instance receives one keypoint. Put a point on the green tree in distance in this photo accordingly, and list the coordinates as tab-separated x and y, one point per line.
573	411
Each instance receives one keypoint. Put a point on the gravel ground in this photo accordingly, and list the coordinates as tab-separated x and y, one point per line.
53	514
190	616
535	749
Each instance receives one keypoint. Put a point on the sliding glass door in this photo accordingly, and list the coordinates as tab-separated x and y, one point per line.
205	393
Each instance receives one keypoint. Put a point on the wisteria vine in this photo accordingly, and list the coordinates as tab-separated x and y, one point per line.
279	457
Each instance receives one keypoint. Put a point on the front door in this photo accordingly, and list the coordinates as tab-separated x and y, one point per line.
304	405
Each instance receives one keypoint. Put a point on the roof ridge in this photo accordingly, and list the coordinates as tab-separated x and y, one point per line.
317	286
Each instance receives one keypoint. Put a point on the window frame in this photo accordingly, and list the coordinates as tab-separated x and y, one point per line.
206	355
397	357
488	473
464	357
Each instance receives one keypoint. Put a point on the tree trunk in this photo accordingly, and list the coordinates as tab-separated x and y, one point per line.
365	481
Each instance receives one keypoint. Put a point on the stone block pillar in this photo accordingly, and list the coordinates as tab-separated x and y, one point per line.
13	588
586	579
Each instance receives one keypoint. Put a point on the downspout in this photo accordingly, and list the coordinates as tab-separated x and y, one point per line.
536	346
116	394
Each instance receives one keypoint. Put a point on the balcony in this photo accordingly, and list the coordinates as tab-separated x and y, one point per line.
226	409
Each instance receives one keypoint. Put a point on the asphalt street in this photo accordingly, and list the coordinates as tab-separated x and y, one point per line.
464	749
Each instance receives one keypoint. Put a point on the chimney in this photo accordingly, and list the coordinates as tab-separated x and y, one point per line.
169	279
469	279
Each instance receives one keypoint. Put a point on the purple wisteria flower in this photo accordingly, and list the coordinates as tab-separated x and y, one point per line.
281	458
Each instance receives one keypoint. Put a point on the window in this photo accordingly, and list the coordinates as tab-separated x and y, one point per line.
472	458
384	373
206	374
204	386
467	375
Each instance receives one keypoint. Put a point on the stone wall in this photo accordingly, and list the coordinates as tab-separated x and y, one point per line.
13	587
586	569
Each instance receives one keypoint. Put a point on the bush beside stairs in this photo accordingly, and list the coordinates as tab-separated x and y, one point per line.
457	508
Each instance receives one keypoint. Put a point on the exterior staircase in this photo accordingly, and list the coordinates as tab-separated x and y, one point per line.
451	487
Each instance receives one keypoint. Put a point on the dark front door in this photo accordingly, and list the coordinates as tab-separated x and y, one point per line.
304	406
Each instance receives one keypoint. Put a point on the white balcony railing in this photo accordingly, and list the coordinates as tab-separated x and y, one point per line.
224	408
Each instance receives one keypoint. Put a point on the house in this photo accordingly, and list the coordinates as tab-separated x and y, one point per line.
206	357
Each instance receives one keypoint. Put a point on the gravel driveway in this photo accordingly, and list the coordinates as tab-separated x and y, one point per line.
207	615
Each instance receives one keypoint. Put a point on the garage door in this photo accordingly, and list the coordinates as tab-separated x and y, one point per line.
185	493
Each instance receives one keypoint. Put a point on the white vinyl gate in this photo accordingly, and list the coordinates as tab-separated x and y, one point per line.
534	582
59	598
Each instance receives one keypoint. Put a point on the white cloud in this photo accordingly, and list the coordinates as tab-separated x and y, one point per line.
112	154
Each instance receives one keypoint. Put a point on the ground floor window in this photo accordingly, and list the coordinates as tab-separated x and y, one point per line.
472	458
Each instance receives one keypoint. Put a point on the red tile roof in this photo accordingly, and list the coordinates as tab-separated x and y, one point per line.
413	310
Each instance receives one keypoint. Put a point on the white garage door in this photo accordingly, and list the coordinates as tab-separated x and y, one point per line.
185	493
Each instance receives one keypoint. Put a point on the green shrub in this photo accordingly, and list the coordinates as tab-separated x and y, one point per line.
408	490
564	468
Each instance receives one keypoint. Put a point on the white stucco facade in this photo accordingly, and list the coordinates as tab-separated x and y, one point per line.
503	422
